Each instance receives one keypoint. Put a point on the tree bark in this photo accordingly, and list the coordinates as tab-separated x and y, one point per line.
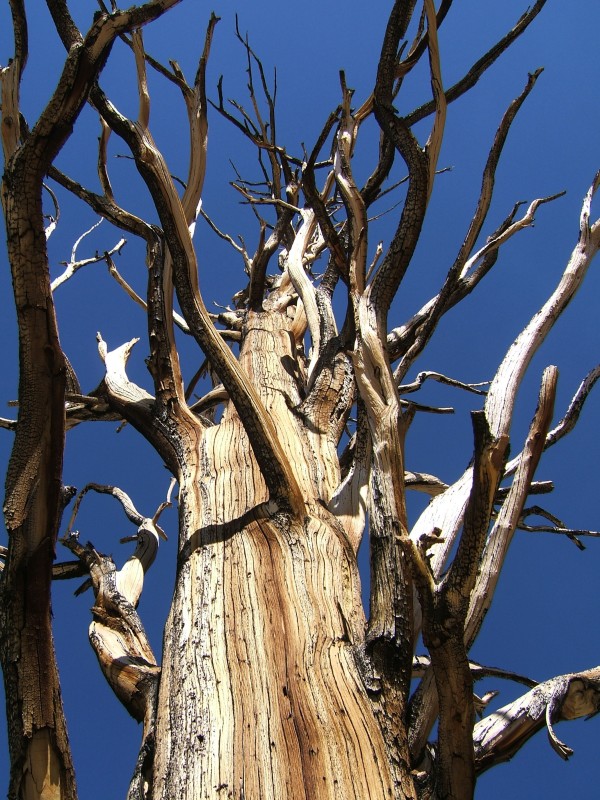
262	635
272	684
40	757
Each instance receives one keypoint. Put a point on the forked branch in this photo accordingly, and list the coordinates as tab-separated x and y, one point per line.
264	439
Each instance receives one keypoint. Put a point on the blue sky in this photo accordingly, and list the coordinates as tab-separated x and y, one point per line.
542	622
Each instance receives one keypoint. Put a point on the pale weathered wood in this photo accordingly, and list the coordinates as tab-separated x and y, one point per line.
272	682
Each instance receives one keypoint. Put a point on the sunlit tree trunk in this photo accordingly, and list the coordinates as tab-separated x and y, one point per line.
262	636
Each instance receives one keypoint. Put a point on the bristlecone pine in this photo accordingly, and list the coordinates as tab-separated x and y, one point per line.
272	684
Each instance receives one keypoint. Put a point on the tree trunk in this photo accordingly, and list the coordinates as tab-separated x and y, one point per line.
260	694
272	685
40	756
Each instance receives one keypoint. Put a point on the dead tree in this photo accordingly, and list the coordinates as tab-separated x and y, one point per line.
272	683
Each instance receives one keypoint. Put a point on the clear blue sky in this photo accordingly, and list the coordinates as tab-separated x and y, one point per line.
543	620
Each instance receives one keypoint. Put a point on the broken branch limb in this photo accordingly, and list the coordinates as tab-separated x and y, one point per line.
498	737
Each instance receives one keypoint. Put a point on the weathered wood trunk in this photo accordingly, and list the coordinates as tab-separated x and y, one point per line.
39	750
271	684
260	693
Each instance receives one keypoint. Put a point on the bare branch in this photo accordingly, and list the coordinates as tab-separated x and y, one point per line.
303	285
257	266
557	527
503	389
9	84
396	261
420	45
133	403
434	143
263	436
512	508
73	265
489	173
51	227
113	272
104	206
444	606
226	238
407	339
422	482
20	35
446	511
498	737
422	663
406	388
130	510
480	66
102	161
568	422
461	278
33	487
317	200
525	222
117	634
487	471
355	207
